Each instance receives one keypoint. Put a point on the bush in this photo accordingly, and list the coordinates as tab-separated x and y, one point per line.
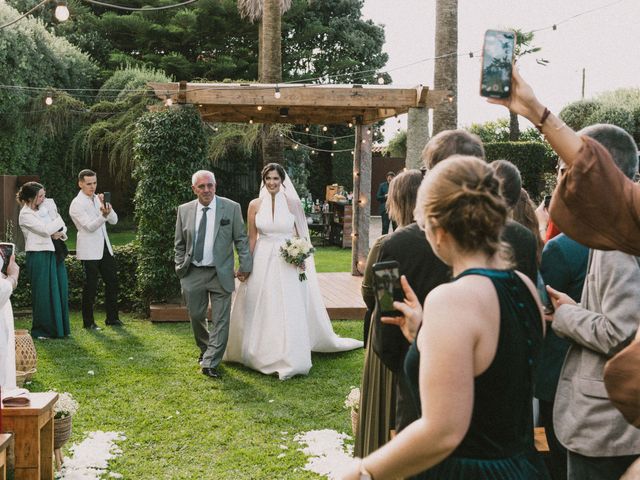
529	157
128	297
169	147
576	114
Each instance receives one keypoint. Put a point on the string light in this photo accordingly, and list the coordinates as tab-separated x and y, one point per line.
306	128
368	131
324	128
277	92
251	121
48	100
168	102
62	11
335	142
259	107
350	124
380	80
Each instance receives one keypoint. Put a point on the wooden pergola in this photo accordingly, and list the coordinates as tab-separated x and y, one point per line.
310	104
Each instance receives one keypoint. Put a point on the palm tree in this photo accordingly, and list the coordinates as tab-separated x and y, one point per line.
269	13
445	116
523	47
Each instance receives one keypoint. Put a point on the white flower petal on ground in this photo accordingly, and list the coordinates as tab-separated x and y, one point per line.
91	372
90	458
328	455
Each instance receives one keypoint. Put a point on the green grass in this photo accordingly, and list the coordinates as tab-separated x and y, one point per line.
227	429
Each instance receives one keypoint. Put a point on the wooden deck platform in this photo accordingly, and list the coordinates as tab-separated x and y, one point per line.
340	291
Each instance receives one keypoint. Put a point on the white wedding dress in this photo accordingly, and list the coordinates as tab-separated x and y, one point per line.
277	320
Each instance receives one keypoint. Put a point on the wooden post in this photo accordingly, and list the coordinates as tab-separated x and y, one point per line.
361	198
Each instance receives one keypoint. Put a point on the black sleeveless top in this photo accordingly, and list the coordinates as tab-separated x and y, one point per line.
500	437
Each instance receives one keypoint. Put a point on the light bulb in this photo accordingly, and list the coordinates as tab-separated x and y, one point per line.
277	93
335	142
61	12
48	100
368	131
324	128
251	120
259	107
380	80
350	125
306	129
168	102
332	154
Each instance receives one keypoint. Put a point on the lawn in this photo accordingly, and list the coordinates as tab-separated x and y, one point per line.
180	424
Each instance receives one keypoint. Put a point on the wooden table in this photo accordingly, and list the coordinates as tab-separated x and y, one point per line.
32	427
5	438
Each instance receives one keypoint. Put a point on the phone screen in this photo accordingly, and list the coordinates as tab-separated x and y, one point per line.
388	288
107	197
497	62
544	296
6	250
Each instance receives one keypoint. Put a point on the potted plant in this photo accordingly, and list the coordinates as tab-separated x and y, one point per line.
353	402
64	409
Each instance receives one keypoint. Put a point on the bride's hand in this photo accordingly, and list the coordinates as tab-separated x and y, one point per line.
411	310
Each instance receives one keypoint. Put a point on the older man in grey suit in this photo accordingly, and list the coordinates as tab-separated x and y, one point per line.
206	231
601	444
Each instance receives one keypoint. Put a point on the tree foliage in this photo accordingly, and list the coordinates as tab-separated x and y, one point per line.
169	147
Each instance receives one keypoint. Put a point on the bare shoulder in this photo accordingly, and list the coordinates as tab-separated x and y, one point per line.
254	205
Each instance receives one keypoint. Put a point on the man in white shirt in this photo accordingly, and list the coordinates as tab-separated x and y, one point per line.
90	213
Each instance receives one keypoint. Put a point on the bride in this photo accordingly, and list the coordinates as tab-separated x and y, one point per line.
276	319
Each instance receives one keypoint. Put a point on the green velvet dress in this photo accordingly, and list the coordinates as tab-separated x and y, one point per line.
49	294
499	442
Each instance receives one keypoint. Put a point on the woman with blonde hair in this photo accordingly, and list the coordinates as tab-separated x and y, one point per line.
471	364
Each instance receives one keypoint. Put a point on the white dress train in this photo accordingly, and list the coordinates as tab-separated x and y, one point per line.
277	320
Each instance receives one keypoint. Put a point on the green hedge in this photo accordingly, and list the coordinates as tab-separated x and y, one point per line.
529	157
128	298
169	147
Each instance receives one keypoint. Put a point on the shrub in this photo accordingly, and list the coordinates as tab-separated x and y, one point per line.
169	147
529	157
128	297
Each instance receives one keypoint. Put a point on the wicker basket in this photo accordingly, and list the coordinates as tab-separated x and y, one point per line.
26	357
355	418
61	431
22	377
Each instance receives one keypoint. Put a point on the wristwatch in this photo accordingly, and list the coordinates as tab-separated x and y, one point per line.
364	474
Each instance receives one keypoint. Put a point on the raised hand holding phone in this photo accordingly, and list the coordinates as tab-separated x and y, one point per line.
411	312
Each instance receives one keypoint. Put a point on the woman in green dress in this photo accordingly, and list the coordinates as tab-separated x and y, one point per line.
41	224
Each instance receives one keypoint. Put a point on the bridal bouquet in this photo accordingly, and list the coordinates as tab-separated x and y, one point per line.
295	251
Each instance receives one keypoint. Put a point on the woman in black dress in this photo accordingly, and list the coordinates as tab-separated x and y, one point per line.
471	364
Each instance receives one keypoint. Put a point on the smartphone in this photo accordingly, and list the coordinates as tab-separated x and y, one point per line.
6	250
547	201
497	63
107	197
386	281
547	305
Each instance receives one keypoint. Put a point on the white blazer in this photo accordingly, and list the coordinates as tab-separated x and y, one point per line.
37	231
92	231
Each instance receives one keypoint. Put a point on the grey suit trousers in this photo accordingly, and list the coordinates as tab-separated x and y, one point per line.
199	286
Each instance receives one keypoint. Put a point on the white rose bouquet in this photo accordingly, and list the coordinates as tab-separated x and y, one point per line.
353	399
295	251
66	405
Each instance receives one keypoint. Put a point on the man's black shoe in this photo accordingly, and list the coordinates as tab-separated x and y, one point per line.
93	326
211	372
115	323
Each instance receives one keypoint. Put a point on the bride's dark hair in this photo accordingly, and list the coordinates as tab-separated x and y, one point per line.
269	167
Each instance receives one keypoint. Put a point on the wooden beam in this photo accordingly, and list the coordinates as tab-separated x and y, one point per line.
361	199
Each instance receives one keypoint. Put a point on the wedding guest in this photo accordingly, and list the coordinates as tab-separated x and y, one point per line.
525	214
563	267
595	203
383	193
521	240
377	398
8	284
451	142
471	364
600	442
41	225
90	214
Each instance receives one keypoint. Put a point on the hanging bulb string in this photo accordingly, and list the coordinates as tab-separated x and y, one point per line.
16	20
293	140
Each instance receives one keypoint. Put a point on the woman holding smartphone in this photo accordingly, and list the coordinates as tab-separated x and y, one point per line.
470	366
41	225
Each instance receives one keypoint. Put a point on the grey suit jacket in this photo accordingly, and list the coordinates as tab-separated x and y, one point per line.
227	231
605	321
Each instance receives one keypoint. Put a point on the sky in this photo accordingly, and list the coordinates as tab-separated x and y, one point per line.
605	43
